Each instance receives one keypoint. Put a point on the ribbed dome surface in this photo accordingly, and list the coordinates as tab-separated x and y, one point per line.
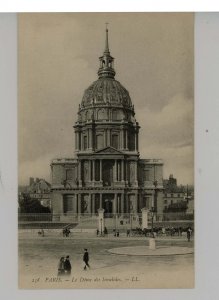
106	91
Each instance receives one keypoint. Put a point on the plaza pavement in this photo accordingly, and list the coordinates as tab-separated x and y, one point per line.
39	256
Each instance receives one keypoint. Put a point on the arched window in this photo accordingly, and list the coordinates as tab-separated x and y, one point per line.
87	116
101	114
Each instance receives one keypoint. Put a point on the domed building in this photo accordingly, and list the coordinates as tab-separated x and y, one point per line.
107	171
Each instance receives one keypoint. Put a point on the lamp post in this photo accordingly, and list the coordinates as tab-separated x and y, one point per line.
152	244
101	226
153	206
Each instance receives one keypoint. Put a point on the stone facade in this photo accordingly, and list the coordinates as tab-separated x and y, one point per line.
107	171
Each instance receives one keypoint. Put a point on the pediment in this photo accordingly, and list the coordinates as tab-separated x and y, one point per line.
109	150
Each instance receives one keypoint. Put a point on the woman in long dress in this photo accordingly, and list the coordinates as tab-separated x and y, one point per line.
61	268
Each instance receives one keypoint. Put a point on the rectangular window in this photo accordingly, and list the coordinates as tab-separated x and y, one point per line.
69	174
146	175
146	202
115	141
99	141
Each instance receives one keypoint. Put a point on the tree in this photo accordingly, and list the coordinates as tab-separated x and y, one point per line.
31	206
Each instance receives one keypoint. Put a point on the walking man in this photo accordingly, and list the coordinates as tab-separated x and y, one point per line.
86	259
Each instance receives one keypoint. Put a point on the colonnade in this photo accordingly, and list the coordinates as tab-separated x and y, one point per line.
124	136
95	201
95	171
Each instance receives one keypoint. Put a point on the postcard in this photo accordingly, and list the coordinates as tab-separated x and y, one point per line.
106	150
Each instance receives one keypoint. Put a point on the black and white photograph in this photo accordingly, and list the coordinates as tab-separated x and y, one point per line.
106	150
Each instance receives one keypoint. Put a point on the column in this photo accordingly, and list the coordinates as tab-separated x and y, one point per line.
89	170
115	204
122	139
79	204
74	204
105	138
122	203
93	203
118	204
93	177
79	140
108	137
126	134
91	139
135	140
76	141
82	141
101	179
89	204
122	170
88	138
136	172
79	173
101	201
118	171
115	170
127	171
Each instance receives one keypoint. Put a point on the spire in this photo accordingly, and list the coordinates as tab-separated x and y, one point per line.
106	61
107	42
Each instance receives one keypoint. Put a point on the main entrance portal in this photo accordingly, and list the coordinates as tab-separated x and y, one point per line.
108	203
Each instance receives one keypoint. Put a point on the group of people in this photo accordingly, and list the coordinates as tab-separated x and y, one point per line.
116	233
104	233
66	232
64	265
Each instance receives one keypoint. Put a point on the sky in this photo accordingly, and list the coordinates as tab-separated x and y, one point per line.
58	59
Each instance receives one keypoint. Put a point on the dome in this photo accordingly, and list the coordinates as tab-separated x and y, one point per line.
106	91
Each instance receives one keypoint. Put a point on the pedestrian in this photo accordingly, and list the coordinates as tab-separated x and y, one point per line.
105	231
67	266
61	269
86	259
97	232
128	232
188	234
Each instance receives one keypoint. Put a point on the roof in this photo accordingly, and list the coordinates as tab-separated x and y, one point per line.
106	91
